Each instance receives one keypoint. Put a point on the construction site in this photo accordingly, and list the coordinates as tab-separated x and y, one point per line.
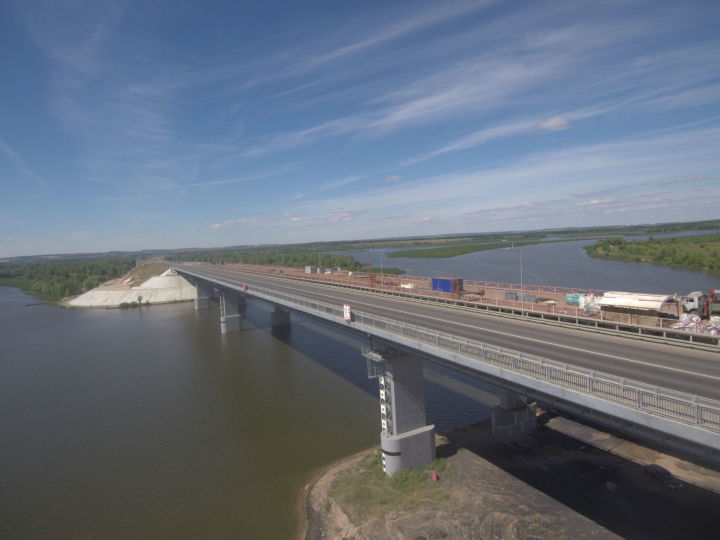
696	314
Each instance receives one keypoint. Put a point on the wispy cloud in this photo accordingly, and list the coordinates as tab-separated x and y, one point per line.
24	169
242	221
630	167
435	15
334	184
406	119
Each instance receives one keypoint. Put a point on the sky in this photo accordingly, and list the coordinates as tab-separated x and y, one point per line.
144	125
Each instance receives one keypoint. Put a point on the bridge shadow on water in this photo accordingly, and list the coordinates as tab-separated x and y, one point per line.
453	399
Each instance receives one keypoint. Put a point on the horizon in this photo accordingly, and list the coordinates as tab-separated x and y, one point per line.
251	247
128	125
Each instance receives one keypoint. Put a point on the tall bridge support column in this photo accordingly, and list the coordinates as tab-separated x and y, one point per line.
279	317
406	441
513	417
230	302
203	292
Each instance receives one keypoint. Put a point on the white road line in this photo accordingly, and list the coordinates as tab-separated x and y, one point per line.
539	341
535	340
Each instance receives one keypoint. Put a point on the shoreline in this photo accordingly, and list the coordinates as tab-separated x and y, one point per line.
312	503
65	303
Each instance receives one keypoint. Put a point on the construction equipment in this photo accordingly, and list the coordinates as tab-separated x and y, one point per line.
703	304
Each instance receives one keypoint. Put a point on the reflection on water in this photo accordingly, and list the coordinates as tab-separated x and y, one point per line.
148	423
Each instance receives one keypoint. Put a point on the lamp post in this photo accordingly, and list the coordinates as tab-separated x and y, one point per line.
382	279
522	288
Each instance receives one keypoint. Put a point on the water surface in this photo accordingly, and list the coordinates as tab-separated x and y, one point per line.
148	423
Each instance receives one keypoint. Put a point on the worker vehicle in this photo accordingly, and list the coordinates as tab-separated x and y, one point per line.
703	304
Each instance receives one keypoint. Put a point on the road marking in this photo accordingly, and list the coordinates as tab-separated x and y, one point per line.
535	340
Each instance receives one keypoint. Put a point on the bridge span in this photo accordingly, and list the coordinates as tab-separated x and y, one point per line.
660	392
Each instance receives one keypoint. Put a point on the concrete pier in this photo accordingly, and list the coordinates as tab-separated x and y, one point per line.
513	417
203	292
230	302
279	317
407	442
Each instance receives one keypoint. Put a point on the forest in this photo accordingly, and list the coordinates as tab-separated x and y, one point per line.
52	281
701	253
270	257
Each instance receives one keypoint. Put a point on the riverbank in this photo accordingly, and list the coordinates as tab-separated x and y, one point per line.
553	484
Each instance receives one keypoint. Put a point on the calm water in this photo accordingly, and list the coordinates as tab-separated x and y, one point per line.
150	424
563	264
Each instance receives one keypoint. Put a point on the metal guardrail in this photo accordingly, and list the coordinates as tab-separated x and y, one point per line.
680	407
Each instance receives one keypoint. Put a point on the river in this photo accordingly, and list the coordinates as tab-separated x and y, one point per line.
562	264
148	423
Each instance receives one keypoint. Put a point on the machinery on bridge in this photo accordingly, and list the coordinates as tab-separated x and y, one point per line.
703	304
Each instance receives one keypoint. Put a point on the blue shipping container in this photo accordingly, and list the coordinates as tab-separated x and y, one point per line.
447	285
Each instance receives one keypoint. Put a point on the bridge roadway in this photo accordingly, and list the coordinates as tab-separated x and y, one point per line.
673	367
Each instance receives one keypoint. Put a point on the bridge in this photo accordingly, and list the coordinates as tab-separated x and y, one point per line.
667	393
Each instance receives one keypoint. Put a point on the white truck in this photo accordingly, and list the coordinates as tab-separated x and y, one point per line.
703	304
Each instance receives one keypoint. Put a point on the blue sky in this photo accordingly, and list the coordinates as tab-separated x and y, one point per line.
164	124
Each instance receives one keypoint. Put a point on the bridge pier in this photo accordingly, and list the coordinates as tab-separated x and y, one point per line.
512	418
406	441
203	292
230	302
280	317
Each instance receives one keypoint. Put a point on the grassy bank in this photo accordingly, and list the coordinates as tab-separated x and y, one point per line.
365	492
389	271
446	252
700	253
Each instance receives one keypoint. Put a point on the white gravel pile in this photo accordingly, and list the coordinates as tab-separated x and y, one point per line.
167	287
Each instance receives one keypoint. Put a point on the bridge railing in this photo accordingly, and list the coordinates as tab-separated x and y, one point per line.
645	326
681	407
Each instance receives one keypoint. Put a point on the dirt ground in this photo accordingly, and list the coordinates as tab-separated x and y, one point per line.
547	486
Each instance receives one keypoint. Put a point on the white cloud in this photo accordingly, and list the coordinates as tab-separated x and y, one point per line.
242	221
556	123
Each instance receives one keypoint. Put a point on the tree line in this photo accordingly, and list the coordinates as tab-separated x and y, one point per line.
52	281
700	252
270	258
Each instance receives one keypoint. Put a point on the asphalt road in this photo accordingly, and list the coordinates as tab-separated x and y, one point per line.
673	367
